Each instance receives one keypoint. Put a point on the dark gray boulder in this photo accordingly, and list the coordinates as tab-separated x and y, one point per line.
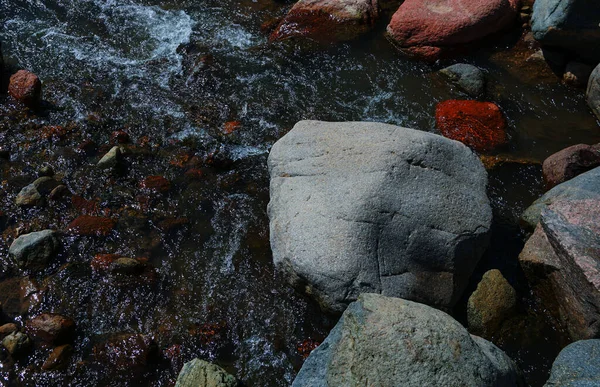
577	365
384	341
362	207
34	250
593	91
569	24
467	77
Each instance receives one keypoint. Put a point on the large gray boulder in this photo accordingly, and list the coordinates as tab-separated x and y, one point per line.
383	341
593	91
577	365
34	250
584	186
362	207
569	24
199	373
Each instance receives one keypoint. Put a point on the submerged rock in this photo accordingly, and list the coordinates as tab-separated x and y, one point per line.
479	125
384	341
127	353
577	365
201	373
435	28
491	304
25	87
593	91
570	162
51	329
7	329
561	261
17	343
364	207
35	193
34	250
584	186
59	358
111	159
328	20
467	77
569	24
88	225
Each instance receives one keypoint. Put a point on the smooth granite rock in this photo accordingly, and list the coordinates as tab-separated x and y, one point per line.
199	373
373	208
569	24
577	365
384	341
593	91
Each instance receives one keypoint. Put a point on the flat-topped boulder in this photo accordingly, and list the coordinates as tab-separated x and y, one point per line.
361	207
384	341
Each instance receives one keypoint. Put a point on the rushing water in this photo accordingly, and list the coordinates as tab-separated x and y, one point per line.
172	73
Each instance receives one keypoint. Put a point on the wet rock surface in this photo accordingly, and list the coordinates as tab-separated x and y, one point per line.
51	329
35	250
479	125
328	20
593	91
570	162
390	341
201	373
577	365
467	77
25	87
356	207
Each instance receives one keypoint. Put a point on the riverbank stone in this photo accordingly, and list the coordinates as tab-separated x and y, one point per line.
388	341
577	365
561	263
593	91
584	186
570	162
34	250
51	329
373	208
201	373
26	87
434	29
467	77
328	20
17	343
571	25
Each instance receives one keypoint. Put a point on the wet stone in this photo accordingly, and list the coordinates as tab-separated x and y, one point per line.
125	352
125	265
29	197
25	87
34	250
201	373
7	329
58	358
17	343
156	184
111	159
87	225
51	329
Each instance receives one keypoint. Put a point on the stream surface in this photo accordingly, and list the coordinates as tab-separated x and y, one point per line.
171	74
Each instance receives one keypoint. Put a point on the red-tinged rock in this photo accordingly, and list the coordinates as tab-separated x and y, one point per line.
25	87
231	126
570	162
87	225
156	184
103	262
173	354
50	329
479	125
428	29
328	20
58	358
306	347
119	137
84	206
129	353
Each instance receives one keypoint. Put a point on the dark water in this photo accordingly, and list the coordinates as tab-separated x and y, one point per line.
171	74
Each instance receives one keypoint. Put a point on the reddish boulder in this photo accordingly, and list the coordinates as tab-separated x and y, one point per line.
91	225
429	29
479	125
328	20
50	329
156	184
26	87
570	162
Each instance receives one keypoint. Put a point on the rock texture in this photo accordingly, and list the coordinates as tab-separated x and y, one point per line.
479	125
51	329
34	250
381	341
569	24
328	20
593	91
584	186
467	77
16	343
201	373
430	30
561	260
366	207
26	87
491	304
570	162
577	365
